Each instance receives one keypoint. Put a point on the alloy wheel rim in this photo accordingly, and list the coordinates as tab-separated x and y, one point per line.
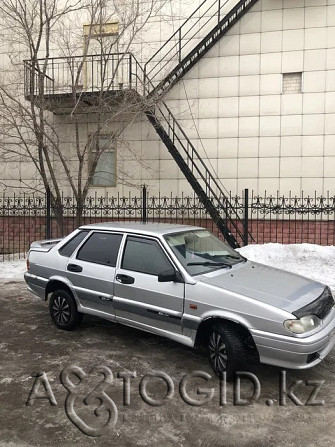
218	352
61	310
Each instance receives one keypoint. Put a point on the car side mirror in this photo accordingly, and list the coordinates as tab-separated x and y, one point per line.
170	276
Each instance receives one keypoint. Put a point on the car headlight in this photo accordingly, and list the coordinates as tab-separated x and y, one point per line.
303	324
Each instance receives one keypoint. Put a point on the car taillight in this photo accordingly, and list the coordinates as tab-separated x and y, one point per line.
27	264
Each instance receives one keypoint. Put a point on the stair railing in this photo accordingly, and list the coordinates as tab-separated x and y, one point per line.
190	155
208	14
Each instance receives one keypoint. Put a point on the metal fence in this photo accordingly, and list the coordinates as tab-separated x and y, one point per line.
264	218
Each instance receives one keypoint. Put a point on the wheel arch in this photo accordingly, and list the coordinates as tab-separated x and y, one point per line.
56	283
207	323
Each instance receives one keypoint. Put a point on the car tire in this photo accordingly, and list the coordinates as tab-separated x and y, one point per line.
227	351
63	310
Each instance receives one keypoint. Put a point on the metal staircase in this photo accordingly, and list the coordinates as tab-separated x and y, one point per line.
196	172
169	63
55	88
199	176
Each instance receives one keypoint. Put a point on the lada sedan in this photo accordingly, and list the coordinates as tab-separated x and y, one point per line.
183	283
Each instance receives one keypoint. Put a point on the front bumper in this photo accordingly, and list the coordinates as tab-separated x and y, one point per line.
293	352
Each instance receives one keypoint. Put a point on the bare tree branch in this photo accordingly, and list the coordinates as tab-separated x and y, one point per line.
42	30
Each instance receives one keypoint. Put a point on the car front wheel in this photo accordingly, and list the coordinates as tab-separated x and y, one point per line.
227	350
63	310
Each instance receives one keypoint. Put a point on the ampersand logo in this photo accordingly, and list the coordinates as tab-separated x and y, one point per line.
106	405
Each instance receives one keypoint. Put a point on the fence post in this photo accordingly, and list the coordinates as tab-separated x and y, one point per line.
144	203
246	217
48	214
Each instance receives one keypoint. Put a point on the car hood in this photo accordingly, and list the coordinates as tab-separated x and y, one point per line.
269	285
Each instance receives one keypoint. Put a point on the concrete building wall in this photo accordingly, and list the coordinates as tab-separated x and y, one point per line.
233	107
251	132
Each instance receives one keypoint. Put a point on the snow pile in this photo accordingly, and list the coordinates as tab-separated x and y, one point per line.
12	270
313	261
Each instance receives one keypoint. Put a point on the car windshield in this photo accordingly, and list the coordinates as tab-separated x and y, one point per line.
199	251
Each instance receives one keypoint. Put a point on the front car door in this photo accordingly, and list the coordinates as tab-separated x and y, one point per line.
92	270
139	298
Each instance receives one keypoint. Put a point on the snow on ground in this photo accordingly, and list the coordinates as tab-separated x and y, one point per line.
313	261
12	270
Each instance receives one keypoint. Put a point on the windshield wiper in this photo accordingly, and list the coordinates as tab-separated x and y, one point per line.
238	258
210	264
209	256
230	256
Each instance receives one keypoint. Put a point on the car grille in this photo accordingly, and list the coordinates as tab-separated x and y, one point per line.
320	307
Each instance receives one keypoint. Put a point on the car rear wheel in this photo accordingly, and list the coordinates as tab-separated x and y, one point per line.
63	310
226	350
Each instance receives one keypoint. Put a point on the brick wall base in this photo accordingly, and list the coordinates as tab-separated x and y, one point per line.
17	233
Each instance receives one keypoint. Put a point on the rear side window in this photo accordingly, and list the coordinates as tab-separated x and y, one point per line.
101	248
73	243
145	256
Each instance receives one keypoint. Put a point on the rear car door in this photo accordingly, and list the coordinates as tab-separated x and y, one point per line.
91	270
139	298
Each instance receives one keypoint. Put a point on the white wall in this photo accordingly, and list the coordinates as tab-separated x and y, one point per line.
254	135
231	106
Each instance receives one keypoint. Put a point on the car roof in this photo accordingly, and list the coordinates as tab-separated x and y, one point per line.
151	228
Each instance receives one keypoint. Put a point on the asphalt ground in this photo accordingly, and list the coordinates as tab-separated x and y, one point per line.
46	374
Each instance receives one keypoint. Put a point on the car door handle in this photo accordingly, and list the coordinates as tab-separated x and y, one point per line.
125	279
74	268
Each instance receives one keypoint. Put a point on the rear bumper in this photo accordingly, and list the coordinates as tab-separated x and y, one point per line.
294	352
36	284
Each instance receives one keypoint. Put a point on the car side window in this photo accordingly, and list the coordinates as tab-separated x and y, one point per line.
101	248
145	256
73	243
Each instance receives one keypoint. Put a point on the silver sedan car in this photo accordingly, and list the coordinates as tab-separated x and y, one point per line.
183	283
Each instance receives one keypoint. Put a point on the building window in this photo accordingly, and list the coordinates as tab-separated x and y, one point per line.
292	83
105	172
